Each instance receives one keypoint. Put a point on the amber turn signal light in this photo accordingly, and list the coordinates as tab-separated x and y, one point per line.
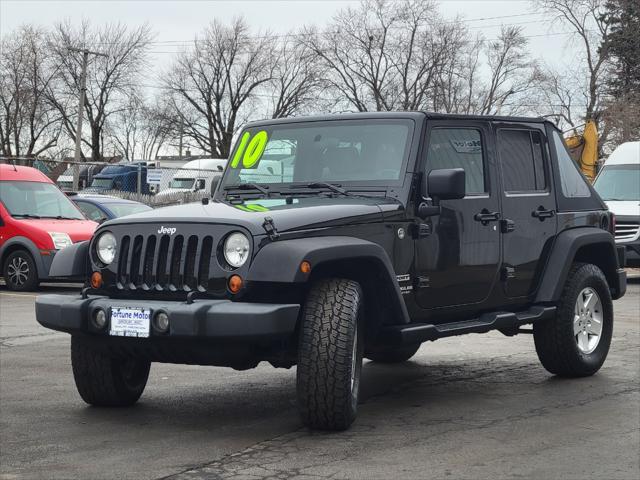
96	280
305	267
235	283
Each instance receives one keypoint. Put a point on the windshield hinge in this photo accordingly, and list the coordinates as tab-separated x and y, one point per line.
270	228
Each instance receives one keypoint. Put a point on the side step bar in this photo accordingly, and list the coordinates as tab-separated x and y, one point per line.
508	322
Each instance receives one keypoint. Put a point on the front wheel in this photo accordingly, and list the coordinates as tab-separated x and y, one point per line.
20	272
576	342
107	381
330	355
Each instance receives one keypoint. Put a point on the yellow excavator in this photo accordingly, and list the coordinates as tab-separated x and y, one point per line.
584	149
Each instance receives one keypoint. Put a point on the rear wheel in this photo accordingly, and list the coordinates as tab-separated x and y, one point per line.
20	272
330	355
576	342
107	381
394	355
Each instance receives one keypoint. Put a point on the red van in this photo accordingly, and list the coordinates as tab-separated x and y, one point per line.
36	220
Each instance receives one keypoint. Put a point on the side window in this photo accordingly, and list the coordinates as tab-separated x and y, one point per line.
522	160
458	148
572	182
90	211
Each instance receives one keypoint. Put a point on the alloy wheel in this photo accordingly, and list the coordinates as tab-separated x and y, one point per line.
587	320
18	271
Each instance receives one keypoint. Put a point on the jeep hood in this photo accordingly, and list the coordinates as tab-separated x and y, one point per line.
303	213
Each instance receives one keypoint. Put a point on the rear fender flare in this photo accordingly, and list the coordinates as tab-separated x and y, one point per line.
574	245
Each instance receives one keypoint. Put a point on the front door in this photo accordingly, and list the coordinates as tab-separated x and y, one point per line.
458	251
528	205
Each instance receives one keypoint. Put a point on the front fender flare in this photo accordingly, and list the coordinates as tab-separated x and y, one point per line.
279	262
71	261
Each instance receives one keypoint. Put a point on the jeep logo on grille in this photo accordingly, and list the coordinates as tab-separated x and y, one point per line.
166	230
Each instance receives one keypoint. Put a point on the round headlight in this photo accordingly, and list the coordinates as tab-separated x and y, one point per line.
106	247
236	249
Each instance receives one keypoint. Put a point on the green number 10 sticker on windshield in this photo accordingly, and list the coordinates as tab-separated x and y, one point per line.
250	150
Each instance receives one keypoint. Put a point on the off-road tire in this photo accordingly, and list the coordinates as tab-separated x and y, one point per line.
394	355
106	381
330	325
554	338
20	259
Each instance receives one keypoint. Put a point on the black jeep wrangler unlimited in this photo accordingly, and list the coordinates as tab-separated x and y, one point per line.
330	239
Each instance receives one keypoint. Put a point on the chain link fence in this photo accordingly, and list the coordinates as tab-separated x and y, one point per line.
151	183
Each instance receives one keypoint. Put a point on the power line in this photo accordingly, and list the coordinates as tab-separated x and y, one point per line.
552	34
301	34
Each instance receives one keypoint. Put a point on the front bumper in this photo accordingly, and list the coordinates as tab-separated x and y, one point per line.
202	319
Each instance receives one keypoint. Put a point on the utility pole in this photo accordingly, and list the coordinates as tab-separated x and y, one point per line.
181	133
83	90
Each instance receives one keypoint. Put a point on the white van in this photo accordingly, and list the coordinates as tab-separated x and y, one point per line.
618	183
196	175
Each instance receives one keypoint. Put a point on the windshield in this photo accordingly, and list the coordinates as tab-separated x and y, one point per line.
181	183
37	199
363	152
122	209
102	182
619	182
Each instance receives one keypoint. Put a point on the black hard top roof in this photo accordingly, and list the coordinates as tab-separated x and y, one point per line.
399	114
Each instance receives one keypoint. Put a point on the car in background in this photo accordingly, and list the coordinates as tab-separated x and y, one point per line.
121	176
103	207
36	221
85	177
202	174
618	183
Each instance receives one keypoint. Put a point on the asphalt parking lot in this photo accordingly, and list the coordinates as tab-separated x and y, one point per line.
477	407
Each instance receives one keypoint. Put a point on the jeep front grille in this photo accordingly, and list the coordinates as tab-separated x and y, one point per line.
627	230
161	262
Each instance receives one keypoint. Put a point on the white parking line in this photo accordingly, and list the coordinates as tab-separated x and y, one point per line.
4	294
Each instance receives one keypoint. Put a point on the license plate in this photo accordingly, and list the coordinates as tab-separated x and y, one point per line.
130	322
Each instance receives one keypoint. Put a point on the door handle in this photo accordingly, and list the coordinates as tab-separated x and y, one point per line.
541	213
485	216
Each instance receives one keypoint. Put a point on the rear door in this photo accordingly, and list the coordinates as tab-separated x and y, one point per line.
528	206
457	261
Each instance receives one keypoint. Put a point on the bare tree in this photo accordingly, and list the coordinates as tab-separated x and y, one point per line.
111	80
296	79
141	130
402	55
356	50
213	82
29	124
587	19
513	73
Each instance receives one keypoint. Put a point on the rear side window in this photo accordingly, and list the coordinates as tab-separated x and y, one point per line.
571	180
458	148
522	160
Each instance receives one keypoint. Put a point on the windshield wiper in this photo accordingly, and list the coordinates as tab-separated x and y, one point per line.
60	217
25	215
330	186
247	186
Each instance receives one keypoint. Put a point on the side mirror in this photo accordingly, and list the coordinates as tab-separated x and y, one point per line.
214	184
200	184
445	184
442	184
